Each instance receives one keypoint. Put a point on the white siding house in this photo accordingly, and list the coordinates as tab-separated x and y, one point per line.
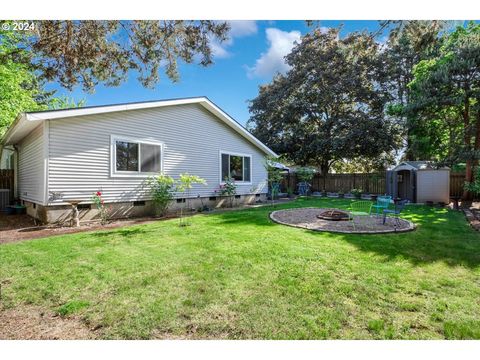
70	154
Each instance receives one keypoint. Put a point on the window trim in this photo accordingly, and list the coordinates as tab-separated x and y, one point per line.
139	141
233	153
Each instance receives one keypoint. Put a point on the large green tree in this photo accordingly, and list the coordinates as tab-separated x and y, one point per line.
20	89
446	90
329	106
408	43
87	53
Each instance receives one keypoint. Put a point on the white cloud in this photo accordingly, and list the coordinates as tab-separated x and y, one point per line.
280	43
238	29
324	29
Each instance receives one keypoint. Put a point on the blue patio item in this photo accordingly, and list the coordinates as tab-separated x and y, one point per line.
395	212
382	204
303	188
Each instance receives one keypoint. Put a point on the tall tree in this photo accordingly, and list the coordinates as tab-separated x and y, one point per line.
20	90
327	107
87	53
447	89
409	42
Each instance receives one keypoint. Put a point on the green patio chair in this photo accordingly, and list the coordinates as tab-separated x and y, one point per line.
359	209
382	204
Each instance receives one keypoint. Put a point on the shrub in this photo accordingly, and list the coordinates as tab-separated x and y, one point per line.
162	189
474	186
274	176
305	174
357	193
103	210
185	183
228	189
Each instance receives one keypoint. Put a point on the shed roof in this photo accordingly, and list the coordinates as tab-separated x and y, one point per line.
414	165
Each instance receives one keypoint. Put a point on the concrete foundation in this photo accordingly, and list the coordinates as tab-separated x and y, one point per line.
62	214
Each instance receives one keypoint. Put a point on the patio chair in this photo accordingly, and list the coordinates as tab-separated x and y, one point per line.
395	212
382	203
359	209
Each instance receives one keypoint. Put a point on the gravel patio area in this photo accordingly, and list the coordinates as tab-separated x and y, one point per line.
307	218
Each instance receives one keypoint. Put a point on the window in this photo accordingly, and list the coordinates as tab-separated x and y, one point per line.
127	156
236	166
134	156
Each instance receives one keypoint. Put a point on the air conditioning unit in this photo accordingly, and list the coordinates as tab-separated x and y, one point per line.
4	198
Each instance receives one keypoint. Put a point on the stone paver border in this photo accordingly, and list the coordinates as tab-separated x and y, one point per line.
410	225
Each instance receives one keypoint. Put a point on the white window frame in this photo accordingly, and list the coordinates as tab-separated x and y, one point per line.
233	153
139	141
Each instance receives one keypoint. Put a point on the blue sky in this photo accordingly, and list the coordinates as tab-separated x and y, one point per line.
252	56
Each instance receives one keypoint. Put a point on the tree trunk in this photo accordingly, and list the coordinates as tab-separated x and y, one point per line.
324	167
467	141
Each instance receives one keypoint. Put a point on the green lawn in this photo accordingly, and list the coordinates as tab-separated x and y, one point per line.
238	275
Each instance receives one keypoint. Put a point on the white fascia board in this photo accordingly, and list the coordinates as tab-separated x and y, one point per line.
57	114
205	102
233	124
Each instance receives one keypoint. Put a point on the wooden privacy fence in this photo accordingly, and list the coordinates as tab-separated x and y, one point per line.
373	183
456	184
6	181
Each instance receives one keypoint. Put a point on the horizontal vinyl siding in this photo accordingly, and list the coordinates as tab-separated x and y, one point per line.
79	151
31	167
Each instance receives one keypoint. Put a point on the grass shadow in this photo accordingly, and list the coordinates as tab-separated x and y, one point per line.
441	234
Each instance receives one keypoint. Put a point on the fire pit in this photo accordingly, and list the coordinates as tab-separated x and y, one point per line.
325	219
334	215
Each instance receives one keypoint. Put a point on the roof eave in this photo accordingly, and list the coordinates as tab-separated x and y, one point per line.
24	118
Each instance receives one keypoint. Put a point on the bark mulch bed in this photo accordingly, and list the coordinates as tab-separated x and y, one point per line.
307	218
15	228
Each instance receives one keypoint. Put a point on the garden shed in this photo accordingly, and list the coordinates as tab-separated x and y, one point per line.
419	182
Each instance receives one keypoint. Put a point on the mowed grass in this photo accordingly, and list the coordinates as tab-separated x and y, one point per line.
238	275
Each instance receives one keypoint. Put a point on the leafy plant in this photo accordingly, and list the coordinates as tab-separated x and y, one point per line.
184	185
228	189
274	176
102	208
290	191
162	189
474	186
356	192
305	174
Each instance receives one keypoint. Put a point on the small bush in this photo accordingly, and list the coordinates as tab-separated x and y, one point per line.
162	189
102	208
305	174
228	189
357	193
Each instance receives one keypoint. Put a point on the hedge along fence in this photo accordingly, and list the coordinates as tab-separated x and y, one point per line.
373	183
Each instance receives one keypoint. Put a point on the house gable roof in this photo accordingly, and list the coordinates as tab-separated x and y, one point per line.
26	122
